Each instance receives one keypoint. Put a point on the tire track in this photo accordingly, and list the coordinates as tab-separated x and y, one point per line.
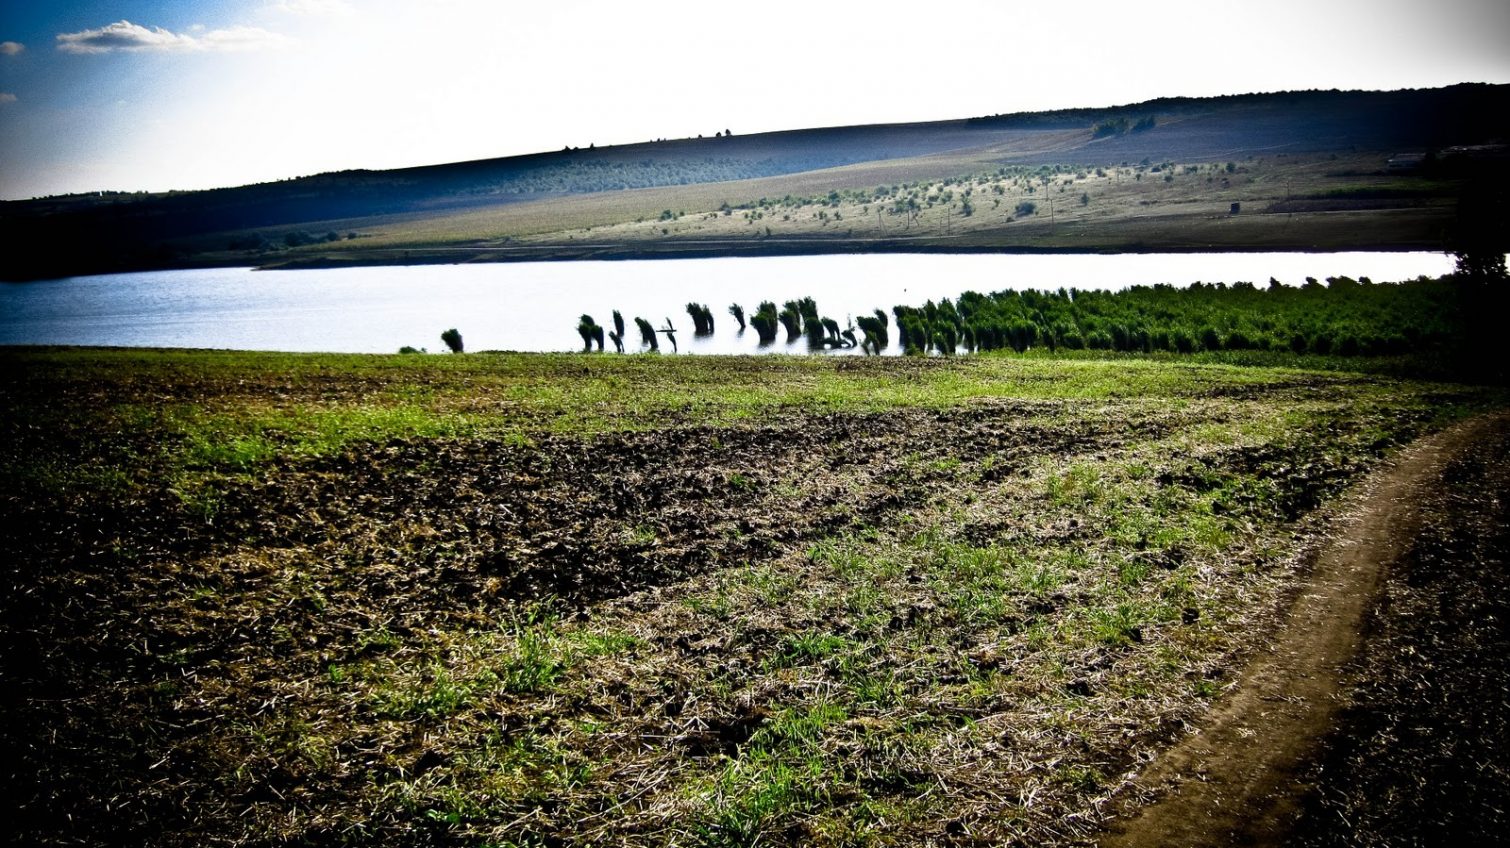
1241	779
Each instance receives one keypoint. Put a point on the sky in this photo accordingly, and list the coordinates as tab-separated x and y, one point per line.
187	94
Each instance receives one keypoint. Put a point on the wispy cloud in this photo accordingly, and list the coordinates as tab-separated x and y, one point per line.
6	97
11	48
126	36
315	7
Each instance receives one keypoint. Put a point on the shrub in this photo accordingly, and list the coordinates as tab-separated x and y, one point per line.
816	333
1210	339
830	329
915	336
590	332
1111	127
702	319
764	321
452	340
647	334
791	319
875	339
808	309
1181	341
945	340
1022	335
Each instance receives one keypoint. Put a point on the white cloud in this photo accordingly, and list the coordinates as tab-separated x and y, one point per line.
7	97
315	7
241	38
126	36
11	48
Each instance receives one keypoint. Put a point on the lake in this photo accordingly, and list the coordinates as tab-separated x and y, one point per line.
535	306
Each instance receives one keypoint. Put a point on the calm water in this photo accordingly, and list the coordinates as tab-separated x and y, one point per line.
535	306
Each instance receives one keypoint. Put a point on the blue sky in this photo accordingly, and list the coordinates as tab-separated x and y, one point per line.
153	96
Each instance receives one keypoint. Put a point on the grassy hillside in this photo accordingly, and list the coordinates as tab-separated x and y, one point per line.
957	202
547	205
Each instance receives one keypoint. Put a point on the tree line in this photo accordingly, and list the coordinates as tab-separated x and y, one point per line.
1340	316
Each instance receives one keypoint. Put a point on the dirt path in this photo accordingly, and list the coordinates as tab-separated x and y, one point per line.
1246	777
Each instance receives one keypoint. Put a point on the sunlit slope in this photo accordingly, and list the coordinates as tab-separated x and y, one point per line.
546	196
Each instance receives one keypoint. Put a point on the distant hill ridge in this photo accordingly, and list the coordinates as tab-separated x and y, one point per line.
97	230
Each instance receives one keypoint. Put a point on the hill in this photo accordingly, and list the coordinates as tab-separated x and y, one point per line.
490	205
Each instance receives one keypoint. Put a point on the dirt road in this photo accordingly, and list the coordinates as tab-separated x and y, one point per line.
1379	712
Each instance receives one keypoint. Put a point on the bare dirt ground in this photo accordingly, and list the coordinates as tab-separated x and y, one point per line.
826	623
1378	716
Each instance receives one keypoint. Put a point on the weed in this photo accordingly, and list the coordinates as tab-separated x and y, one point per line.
1079	485
807	648
537	658
1080	778
1116	626
1039	578
747	801
436	694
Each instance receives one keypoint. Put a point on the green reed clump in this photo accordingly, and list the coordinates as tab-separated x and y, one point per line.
791	320
765	321
875	339
702	319
647	334
590	332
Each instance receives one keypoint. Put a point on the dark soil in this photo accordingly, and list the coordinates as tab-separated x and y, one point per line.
1421	754
135	629
1378	716
161	665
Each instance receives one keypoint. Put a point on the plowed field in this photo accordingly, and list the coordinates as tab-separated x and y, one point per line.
576	600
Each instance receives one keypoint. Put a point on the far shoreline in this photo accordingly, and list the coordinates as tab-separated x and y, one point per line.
626	253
